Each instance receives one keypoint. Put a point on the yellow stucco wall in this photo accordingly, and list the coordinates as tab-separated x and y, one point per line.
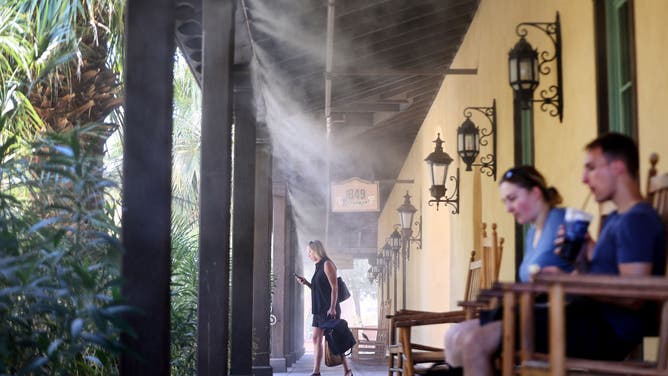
436	274
651	57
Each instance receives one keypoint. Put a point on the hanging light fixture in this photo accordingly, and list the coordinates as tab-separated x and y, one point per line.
439	162
406	215
470	138
395	241
525	68
387	255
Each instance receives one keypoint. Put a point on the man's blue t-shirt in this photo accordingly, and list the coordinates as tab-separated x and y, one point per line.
543	254
634	236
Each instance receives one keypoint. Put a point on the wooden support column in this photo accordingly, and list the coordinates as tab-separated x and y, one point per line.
147	167
295	330
215	186
280	308
262	256
243	218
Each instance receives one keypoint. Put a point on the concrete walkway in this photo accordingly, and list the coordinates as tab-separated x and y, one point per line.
304	366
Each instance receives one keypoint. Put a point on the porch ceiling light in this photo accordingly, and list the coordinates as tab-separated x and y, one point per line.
439	162
525	68
470	138
387	254
406	215
395	241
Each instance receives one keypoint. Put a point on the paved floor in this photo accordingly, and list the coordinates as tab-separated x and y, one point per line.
304	366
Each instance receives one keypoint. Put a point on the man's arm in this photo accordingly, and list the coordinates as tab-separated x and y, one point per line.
635	242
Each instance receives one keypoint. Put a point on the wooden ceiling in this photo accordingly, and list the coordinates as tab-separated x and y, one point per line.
389	60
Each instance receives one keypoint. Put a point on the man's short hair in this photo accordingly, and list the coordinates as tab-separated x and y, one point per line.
617	146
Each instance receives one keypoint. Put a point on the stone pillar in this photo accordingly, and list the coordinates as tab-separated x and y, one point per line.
283	280
295	293
262	258
243	217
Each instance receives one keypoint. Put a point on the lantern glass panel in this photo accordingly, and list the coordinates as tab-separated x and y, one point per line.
406	218
528	73
395	240
438	173
512	66
471	142
460	142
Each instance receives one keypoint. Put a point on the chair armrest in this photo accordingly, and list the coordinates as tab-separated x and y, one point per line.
431	319
417	346
406	312
652	288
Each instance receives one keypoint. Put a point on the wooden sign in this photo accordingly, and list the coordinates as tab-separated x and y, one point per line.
355	195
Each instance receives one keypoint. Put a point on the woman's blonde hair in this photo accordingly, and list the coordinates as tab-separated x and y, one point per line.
317	248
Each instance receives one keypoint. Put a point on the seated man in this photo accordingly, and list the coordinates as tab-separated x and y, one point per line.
631	243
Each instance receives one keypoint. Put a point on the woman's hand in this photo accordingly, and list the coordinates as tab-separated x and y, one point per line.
331	312
302	280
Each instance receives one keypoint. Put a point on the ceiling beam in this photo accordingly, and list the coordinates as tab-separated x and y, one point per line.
373	107
406	72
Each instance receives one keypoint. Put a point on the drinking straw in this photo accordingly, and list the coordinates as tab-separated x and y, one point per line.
584	204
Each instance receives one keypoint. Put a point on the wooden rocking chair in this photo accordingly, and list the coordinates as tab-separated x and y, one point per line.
418	358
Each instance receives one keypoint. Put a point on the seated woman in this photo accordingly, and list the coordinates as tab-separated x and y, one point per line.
527	196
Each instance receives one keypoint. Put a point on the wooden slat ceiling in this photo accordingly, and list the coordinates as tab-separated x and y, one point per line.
390	58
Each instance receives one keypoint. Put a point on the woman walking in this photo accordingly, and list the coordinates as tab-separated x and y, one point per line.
324	300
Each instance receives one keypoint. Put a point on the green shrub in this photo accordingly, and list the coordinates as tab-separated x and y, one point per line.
60	300
185	269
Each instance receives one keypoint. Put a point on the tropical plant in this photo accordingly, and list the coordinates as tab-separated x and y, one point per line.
61	64
17	117
185	220
185	268
59	290
187	119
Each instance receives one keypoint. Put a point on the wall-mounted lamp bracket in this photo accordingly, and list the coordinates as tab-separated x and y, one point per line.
417	239
440	191
487	163
551	99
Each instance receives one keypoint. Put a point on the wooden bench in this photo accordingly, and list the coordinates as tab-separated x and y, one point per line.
372	342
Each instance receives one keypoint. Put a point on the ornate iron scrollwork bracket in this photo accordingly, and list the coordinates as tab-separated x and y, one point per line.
551	99
452	200
487	163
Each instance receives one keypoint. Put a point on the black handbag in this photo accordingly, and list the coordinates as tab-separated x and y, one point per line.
343	290
338	336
